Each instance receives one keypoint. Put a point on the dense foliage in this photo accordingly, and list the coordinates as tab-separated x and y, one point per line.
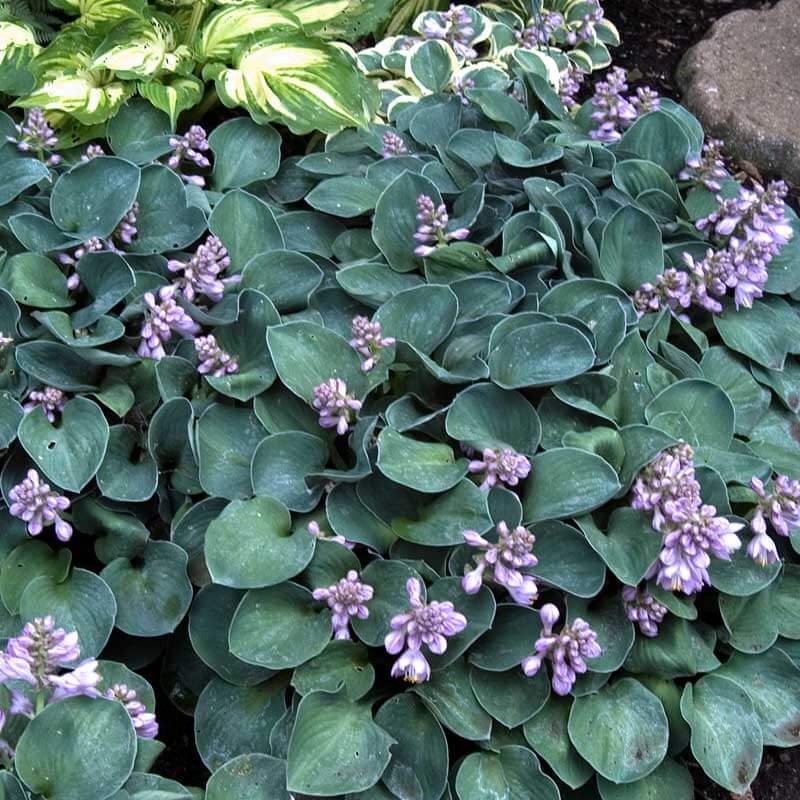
320	431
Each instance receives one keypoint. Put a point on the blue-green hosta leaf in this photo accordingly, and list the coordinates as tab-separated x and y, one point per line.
512	773
84	728
35	280
343	664
726	732
244	152
335	746
18	174
431	64
137	46
172	94
139	132
231	25
621	731
249	775
631	253
297	80
670	781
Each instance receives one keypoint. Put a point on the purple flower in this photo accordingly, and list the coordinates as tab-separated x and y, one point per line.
143	721
506	466
460	86
93	151
645	100
613	112
431	229
93	245
124	233
708	169
393	145
336	407
667	486
422	624
190	147
502	562
52	400
201	273
540	31
567	651
213	359
346	599
762	549
314	529
38	505
682	565
161	319
36	654
781	508
570	85
34	135
82	681
584	30
453	26
368	341
642	608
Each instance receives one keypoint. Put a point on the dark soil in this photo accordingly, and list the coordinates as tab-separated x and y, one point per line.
656	33
779	779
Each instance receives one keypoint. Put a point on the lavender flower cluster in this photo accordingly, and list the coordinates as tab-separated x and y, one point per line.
781	508
643	609
433	221
506	466
749	231
567	651
336	406
346	598
453	26
35	136
39	506
691	531
614	112
42	658
190	149
51	399
368	341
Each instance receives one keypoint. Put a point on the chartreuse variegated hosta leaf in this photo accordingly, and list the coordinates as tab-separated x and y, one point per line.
305	83
347	20
65	81
173	94
17	48
97	13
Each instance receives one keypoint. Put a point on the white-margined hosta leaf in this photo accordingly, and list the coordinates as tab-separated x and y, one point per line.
303	82
348	20
17	49
95	13
137	47
231	25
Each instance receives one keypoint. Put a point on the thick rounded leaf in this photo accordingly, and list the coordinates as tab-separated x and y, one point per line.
93	196
83	603
230	720
139	132
741	576
11	414
280	466
336	746
566	560
514	632
251	545
349	517
246	226
153	591
344	196
726	732
128	472
249	777
425	466
77	748
343	665
512	774
631	253
286	277
166	220
484	415
305	355
209	620
388	579
70	453
17	175
708	409
227	437
546	733
671	781
566	482
30	560
247	342
422	316
449	696
244	153
679	650
34	280
772	680
511	697
621	731
395	220
279	627
540	355
615	632
414	773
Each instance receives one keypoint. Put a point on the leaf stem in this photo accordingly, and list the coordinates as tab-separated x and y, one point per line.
198	11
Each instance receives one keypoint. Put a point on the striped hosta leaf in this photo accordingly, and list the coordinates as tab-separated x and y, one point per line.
173	94
303	82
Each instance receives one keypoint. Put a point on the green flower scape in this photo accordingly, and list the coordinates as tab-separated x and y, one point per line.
448	453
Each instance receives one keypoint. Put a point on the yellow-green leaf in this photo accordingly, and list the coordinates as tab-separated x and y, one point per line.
137	46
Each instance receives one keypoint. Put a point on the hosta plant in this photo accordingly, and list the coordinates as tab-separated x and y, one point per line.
278	59
456	459
467	50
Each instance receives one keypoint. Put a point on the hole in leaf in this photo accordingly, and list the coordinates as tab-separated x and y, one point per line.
51	445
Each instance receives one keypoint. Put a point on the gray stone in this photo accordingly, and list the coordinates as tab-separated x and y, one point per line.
743	83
